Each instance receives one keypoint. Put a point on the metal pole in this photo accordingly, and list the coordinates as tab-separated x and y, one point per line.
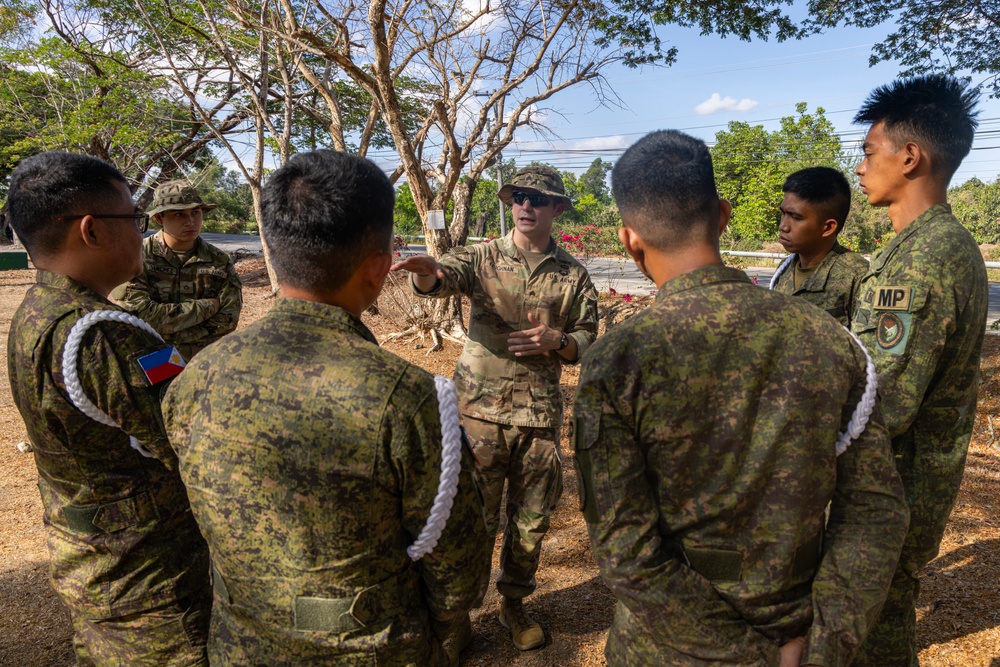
503	212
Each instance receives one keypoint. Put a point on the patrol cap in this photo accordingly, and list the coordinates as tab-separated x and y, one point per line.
177	195
536	178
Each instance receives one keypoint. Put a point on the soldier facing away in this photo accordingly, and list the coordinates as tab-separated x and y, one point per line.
922	314
312	456
189	291
126	556
820	270
706	439
533	309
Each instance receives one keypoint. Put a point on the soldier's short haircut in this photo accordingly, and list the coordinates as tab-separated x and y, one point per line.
55	184
665	189
825	189
935	111
323	213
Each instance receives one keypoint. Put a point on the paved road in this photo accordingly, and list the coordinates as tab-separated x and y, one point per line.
607	274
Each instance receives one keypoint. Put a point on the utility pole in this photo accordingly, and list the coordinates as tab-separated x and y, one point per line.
503	212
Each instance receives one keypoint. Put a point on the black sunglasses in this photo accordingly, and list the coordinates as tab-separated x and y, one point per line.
537	200
141	219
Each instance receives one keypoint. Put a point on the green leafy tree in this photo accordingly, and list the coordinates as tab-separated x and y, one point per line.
594	181
977	205
751	164
953	36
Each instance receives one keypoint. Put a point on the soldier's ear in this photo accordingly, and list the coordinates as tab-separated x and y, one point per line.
633	243
829	228
725	214
88	232
375	268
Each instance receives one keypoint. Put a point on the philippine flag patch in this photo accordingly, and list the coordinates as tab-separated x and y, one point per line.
162	364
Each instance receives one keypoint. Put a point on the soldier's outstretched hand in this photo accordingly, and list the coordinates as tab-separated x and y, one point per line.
422	265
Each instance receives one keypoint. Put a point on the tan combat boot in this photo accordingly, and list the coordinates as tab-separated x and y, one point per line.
526	633
459	637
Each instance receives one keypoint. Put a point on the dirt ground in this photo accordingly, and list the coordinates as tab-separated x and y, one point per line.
958	614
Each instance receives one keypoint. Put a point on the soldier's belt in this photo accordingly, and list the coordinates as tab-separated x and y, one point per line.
726	565
387	599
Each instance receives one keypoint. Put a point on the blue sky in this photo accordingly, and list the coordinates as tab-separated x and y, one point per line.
727	79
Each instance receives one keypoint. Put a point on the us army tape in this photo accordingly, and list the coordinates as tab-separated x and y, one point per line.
71	354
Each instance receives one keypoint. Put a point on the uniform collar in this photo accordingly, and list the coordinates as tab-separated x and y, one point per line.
65	283
160	249
822	273
705	275
332	316
508	247
923	221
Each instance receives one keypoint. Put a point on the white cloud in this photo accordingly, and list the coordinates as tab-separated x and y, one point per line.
602	143
717	103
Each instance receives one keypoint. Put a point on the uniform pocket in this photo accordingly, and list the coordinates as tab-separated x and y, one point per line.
591	468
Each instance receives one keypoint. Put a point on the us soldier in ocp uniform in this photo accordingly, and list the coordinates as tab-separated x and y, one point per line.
922	314
533	309
820	270
705	435
312	456
126	556
189	291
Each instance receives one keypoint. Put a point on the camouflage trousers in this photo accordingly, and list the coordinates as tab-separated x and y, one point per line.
174	635
892	640
528	460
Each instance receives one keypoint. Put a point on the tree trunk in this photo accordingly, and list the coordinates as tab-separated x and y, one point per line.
257	213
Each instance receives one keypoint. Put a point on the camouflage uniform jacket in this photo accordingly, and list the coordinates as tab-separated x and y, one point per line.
121	536
493	385
173	294
922	315
312	459
833	286
705	440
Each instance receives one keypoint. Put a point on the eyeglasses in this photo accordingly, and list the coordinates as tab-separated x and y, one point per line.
141	219
537	200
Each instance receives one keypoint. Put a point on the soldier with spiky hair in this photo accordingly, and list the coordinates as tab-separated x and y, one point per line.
922	314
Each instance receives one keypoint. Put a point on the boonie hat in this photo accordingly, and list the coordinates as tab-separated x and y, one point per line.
177	195
536	178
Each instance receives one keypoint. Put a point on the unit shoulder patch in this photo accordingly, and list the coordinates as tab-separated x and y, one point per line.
891	331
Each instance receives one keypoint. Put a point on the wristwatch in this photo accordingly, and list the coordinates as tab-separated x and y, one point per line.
563	342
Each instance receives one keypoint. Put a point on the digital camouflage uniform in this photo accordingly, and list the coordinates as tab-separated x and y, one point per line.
922	315
312	459
173	294
833	286
126	555
497	389
705	431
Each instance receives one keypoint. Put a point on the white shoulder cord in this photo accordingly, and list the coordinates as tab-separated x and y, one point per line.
451	466
781	269
71	354
865	406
